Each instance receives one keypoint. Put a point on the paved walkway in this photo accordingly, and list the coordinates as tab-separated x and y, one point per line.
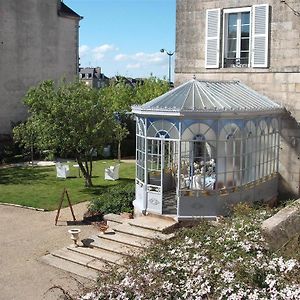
26	235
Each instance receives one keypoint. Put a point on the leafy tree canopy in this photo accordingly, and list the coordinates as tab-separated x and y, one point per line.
122	95
70	119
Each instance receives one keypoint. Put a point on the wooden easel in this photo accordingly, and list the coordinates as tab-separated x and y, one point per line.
65	192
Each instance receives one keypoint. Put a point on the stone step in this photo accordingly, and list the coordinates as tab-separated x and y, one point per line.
114	218
142	232
81	259
154	223
104	255
70	267
112	224
115	247
126	239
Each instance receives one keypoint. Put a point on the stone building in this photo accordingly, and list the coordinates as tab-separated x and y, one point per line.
93	77
256	42
38	41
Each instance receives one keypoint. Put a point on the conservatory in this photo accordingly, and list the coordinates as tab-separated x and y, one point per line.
205	146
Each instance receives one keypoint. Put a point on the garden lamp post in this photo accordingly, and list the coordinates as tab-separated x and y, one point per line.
170	54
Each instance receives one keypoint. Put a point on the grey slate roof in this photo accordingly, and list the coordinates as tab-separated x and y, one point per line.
209	96
66	11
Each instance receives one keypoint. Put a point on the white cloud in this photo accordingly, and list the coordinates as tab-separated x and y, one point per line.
150	58
100	51
142	58
112	61
121	57
134	66
95	54
83	50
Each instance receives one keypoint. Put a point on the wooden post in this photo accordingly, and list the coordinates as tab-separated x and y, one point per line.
60	205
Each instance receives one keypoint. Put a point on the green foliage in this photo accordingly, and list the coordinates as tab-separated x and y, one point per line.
118	96
121	96
115	200
150	89
68	119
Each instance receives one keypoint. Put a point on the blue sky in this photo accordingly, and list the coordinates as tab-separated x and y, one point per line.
125	36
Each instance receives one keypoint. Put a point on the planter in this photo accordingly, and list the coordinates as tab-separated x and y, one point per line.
74	235
101	226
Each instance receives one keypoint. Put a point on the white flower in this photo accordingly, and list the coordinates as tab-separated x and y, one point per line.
227	276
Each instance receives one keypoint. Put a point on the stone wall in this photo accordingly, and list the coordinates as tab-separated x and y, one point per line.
36	44
280	81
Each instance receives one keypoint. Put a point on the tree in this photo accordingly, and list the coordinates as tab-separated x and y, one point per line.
118	96
25	134
122	94
120	134
149	89
70	119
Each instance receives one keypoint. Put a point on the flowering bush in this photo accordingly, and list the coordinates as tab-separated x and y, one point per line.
224	261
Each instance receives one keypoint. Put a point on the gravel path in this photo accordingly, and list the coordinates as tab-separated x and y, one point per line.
27	235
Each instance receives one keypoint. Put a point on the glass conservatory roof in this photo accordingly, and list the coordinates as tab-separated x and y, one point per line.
209	96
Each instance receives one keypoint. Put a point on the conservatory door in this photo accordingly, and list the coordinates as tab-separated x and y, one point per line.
154	173
161	178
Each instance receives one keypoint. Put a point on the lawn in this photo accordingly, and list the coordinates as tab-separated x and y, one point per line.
38	187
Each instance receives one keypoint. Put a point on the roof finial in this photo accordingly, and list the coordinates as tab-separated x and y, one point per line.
194	77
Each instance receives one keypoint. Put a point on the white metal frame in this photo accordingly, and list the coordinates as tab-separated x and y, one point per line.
226	13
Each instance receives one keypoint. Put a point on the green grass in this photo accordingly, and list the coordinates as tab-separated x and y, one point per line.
38	187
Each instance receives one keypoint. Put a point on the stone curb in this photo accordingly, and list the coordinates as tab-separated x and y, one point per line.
23	206
283	226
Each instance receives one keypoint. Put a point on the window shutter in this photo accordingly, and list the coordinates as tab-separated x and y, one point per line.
212	49
260	34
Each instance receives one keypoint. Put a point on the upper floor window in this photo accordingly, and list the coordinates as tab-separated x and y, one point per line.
243	42
236	35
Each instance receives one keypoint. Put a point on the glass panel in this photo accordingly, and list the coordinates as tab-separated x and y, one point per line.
232	34
231	45
221	181
229	180
232	21
245	19
245	31
229	164
245	44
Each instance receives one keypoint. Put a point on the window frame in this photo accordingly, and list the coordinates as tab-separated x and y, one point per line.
224	15
259	36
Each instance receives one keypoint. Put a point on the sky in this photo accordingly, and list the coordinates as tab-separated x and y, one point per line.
124	37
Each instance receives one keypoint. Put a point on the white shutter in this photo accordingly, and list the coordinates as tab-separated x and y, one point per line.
260	36
212	47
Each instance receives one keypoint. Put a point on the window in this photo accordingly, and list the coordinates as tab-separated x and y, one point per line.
236	38
244	38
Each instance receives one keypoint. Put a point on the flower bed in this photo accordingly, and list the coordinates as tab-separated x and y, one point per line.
227	261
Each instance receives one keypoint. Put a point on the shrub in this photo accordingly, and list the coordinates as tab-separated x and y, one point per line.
115	200
225	262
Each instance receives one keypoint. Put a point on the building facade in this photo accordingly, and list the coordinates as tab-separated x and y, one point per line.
256	42
93	77
39	41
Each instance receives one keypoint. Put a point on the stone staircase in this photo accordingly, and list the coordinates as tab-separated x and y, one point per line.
124	238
